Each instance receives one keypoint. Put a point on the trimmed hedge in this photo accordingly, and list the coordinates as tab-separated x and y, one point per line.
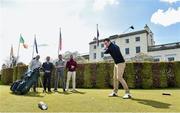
6	76
100	75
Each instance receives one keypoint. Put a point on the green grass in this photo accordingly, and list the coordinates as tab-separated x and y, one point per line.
91	100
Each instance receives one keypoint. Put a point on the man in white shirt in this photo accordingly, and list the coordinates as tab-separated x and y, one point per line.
35	64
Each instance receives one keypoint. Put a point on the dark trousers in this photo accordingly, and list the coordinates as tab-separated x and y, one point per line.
47	81
35	84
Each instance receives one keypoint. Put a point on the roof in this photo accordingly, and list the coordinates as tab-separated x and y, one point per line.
122	35
164	46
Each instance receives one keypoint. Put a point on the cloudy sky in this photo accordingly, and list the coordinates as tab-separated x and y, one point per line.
78	19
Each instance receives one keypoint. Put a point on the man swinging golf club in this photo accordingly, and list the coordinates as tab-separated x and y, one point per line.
119	67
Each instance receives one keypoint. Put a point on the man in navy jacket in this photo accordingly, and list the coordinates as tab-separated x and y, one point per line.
47	67
119	67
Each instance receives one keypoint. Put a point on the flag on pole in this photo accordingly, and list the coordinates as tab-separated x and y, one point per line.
21	40
97	39
60	40
35	44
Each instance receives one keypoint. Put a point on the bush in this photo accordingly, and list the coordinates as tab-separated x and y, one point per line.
21	71
177	73
156	75
146	75
15	73
100	75
129	75
163	76
7	76
171	82
138	74
87	76
80	76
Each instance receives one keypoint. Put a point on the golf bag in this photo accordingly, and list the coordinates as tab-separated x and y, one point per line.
23	86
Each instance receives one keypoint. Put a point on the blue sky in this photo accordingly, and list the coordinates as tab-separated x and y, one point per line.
78	19
137	13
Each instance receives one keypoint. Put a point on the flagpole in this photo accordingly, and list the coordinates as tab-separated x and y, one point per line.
59	41
11	55
18	51
33	46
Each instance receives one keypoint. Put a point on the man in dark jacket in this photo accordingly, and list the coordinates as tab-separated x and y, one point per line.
119	67
71	66
47	67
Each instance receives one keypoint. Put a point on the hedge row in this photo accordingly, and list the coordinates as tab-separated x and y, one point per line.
100	75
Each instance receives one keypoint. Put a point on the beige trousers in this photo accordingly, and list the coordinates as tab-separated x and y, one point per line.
69	76
118	77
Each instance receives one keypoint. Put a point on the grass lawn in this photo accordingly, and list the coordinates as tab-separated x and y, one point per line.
91	100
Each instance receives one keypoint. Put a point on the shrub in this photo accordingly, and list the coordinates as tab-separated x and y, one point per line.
129	75
87	76
146	75
156	75
170	74
15	73
100	75
138	74
163	77
177	73
21	71
80	75
7	76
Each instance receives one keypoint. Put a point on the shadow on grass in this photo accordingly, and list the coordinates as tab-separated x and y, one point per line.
30	94
152	103
71	92
78	92
65	93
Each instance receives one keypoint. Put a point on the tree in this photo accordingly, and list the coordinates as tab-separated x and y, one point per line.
142	57
76	56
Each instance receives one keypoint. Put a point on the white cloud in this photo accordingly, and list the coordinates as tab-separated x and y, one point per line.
99	5
43	19
166	18
170	1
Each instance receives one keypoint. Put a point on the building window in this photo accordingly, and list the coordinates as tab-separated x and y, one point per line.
156	59
126	51
127	40
138	49
94	56
137	39
102	54
94	46
170	59
102	45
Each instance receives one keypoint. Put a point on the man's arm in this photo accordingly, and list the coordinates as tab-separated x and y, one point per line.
30	65
43	67
67	65
106	51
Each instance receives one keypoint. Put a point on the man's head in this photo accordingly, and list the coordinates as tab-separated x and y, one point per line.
37	57
71	56
107	42
60	57
48	58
